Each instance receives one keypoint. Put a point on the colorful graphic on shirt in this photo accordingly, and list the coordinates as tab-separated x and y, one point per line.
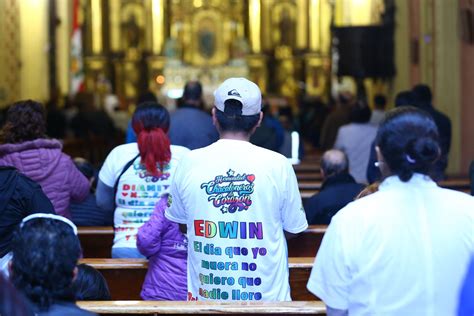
140	171
143	195
228	272
230	193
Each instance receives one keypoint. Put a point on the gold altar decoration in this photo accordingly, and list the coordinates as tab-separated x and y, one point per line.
158	45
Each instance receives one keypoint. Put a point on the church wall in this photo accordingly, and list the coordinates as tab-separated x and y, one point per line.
467	91
447	74
34	49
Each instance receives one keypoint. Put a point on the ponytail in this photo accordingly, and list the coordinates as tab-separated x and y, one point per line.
154	147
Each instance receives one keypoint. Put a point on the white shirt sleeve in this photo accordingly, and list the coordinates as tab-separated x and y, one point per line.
108	173
292	211
330	276
177	212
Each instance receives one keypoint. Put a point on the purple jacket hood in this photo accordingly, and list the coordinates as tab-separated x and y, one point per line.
43	161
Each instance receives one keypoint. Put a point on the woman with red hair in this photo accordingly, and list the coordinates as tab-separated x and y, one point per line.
136	175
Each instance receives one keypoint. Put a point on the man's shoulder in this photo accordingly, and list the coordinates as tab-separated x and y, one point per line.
190	112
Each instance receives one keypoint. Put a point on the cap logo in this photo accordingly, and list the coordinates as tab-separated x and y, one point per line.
234	93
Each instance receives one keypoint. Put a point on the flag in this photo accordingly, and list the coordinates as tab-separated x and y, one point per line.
77	63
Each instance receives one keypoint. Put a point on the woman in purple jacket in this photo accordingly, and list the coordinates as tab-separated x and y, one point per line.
25	146
161	241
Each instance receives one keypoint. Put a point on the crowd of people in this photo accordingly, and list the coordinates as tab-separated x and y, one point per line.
209	200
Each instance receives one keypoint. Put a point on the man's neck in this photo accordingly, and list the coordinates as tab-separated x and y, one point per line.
235	136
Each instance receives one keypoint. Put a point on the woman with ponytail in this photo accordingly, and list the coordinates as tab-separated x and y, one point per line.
405	249
136	176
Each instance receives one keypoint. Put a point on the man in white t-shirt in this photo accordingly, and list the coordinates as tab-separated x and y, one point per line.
237	201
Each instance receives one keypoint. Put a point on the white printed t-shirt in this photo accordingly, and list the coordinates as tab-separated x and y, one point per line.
237	199
403	250
137	191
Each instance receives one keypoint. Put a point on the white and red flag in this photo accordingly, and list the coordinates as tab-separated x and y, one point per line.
77	63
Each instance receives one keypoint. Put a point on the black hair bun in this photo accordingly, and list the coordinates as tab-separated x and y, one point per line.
425	150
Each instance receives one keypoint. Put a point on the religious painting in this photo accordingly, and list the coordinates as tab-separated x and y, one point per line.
206	37
209	41
132	25
284	24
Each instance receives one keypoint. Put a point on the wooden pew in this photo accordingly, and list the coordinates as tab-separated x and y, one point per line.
458	184
125	276
97	241
186	308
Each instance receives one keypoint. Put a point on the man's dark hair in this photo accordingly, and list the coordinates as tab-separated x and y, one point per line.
90	284
146	96
45	253
380	101
360	112
404	98
422	95
192	91
232	120
334	162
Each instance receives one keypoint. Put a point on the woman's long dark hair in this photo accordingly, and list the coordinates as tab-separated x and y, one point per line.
151	122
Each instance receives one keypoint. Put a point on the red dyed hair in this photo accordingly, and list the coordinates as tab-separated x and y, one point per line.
151	122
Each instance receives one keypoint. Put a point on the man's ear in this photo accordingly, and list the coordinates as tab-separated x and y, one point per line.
214	119
257	125
380	157
75	272
10	267
260	119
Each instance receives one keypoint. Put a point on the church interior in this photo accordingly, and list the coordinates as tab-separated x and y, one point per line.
291	48
309	58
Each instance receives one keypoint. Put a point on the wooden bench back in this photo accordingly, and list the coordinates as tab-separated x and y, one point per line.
97	241
125	276
199	308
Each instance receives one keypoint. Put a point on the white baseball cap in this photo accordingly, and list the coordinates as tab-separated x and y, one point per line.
240	89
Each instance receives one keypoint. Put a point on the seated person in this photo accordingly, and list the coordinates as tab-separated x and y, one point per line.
19	197
87	213
25	146
339	188
355	140
161	241
190	126
90	284
45	254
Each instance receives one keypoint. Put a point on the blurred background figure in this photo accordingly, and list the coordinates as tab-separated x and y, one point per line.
338	189
380	102
191	127
355	140
87	212
338	117
422	99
